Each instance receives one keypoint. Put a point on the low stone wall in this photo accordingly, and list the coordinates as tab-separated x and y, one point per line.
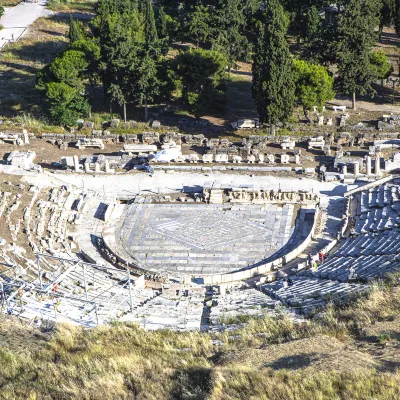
224	168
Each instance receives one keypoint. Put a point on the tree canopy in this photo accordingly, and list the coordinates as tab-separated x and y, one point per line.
132	48
314	85
201	74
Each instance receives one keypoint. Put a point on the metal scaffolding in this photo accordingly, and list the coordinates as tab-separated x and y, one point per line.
50	285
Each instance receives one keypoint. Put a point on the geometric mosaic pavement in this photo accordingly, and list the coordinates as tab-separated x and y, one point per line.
203	238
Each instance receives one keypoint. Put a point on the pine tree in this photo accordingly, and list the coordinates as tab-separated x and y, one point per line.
121	37
298	10
273	81
228	27
197	24
357	36
314	85
202	75
313	32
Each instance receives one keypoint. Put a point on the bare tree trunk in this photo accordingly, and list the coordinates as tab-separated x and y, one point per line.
307	115
124	112
146	111
272	130
380	32
354	101
111	113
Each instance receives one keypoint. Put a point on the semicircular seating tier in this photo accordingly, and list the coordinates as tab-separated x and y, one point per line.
369	250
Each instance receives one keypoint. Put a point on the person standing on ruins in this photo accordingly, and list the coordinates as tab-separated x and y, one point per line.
309	259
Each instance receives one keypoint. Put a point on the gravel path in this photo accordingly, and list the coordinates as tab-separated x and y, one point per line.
17	19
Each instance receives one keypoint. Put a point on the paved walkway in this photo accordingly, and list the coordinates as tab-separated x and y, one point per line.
134	183
17	19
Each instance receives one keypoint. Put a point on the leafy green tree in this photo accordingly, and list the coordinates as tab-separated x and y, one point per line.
168	27
121	36
2	11
314	85
273	80
357	36
69	67
202	75
108	7
91	49
66	104
382	66
130	55
146	83
162	24
63	84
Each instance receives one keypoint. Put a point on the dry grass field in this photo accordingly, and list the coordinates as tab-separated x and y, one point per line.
19	64
352	353
9	3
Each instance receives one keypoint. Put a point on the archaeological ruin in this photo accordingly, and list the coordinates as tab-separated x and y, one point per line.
180	231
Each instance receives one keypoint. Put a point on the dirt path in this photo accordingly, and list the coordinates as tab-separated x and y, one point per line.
18	19
367	105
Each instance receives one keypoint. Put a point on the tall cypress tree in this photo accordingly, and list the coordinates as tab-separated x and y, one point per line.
144	71
76	30
150	30
357	36
273	80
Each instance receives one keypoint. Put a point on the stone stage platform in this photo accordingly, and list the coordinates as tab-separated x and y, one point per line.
202	238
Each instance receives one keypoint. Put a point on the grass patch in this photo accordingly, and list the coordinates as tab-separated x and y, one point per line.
19	65
72	6
9	3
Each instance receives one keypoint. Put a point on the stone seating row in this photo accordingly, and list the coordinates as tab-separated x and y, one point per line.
108	291
308	294
161	312
239	303
364	268
376	219
380	243
377	197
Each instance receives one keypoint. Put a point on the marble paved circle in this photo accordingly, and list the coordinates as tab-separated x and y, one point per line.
203	238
